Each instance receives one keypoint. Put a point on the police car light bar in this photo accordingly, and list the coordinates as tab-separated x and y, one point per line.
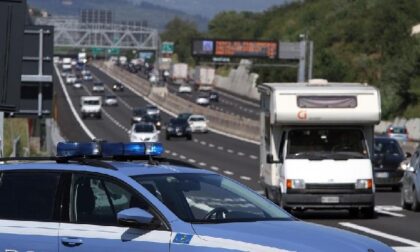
109	150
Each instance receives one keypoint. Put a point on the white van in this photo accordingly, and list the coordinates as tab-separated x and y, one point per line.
316	145
91	106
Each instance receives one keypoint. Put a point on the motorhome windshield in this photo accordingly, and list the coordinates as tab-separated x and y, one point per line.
319	144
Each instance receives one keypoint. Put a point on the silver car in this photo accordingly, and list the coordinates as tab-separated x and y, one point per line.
410	189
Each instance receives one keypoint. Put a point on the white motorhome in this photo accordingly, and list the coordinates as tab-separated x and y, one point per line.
316	145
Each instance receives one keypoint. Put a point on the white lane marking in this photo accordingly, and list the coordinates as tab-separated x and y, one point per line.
174	154
380	234
214	168
241	154
182	157
73	110
191	160
245	178
220	148
211	145
203	142
253	157
202	164
230	151
389	210
196	140
406	249
228	172
167	151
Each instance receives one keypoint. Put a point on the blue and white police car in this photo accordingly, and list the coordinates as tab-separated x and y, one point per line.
94	197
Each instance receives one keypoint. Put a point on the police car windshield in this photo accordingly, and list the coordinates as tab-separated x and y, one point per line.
208	198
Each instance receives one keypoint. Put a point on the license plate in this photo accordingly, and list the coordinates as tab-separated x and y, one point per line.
330	199
382	174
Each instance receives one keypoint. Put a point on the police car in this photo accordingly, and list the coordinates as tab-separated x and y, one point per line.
77	201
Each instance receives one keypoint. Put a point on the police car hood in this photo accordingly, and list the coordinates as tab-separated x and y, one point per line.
281	236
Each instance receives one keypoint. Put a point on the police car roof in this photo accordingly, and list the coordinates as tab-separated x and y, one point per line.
123	168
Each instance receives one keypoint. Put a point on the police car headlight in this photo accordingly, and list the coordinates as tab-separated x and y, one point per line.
364	184
296	184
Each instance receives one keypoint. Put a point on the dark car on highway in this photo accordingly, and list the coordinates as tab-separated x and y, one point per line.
214	96
138	115
155	119
387	158
178	128
118	87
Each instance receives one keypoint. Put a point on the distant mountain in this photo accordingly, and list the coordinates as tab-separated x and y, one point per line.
208	8
157	16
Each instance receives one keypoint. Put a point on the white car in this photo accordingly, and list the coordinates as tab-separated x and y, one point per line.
111	100
77	84
203	100
144	132
185	89
98	87
198	123
71	79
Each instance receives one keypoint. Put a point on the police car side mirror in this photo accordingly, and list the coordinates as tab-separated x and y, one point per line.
270	160
134	217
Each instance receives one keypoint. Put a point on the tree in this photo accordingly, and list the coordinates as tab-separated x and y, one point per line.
181	32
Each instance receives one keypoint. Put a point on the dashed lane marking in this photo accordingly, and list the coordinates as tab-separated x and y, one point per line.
220	148
191	160
241	154
253	157
203	142
228	173
182	157
214	168
230	151
174	154
202	164
245	178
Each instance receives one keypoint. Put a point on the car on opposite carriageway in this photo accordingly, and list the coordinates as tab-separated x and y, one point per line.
90	204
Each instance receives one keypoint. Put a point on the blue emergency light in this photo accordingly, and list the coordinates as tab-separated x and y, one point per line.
109	150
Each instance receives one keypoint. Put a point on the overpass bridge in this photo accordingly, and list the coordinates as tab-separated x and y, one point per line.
69	32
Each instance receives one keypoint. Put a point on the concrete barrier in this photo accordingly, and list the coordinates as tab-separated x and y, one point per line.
234	125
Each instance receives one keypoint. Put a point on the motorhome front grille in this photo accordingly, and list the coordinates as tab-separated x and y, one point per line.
330	186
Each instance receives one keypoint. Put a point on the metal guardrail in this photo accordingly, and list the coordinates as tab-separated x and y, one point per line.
229	124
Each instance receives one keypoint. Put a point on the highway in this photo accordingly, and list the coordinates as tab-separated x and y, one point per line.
228	103
232	158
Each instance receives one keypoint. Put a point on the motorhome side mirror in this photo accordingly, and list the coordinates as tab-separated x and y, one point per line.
270	159
134	217
408	155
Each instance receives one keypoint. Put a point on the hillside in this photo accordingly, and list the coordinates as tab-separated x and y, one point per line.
155	15
355	41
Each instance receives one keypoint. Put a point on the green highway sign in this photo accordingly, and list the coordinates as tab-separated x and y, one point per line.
167	47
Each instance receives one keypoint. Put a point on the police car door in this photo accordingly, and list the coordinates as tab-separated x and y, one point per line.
28	211
93	205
